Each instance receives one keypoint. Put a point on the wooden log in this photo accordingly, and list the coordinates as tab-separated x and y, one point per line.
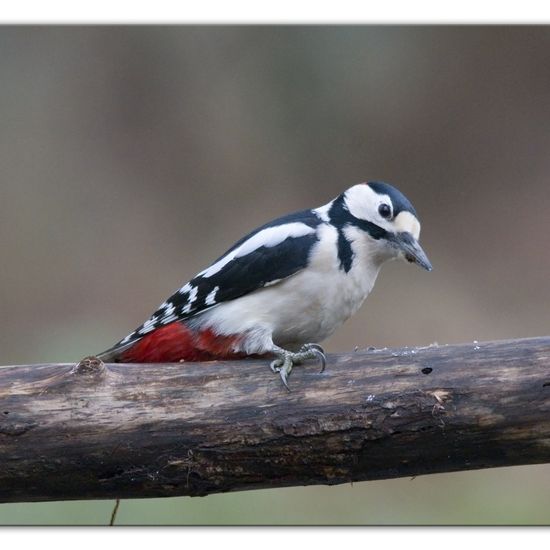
130	431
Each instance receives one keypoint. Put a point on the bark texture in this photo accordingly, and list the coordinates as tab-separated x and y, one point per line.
120	431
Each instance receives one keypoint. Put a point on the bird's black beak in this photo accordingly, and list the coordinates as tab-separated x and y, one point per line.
412	250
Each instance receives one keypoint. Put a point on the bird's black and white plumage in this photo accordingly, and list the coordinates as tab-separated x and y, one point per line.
289	283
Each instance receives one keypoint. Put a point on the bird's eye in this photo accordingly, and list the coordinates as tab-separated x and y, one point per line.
385	211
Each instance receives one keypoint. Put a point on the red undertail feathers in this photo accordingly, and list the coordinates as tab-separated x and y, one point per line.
177	342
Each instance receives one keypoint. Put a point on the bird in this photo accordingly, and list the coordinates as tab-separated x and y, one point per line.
284	287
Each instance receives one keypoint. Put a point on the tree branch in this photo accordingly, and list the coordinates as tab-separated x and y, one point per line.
123	431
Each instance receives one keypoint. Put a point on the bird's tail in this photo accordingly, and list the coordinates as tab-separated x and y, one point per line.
115	353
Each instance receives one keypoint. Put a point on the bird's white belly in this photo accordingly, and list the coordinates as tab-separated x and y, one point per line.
321	304
306	307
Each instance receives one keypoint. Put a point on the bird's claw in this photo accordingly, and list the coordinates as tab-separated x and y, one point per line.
287	359
318	352
275	365
284	378
283	365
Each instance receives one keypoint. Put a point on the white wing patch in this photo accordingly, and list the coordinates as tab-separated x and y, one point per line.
271	283
187	308
211	298
185	288
269	237
193	294
169	313
169	319
149	325
127	338
169	309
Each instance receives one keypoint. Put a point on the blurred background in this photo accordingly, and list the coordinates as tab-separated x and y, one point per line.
131	157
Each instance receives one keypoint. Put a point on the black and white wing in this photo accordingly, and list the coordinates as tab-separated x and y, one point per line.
266	256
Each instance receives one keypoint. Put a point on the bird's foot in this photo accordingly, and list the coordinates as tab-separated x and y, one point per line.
287	359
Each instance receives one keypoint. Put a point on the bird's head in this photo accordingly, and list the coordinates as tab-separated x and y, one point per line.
389	218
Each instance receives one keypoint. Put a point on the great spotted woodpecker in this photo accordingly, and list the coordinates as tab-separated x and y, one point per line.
284	287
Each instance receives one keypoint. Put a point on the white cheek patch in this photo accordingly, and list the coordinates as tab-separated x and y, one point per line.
405	221
363	202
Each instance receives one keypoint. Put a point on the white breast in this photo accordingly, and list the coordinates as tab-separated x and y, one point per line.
306	307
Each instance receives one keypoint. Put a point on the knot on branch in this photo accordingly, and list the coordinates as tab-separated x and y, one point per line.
89	366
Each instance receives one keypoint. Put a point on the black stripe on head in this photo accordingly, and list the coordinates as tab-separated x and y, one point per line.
345	252
341	217
399	201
